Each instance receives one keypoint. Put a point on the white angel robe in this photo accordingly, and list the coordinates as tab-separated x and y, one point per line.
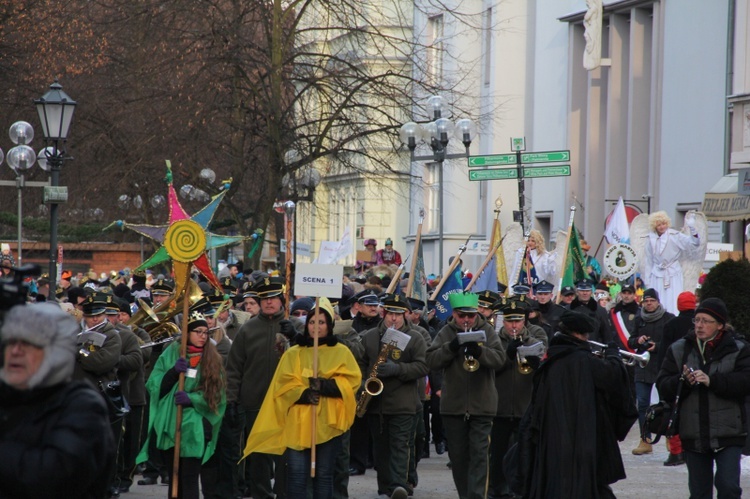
663	269
543	267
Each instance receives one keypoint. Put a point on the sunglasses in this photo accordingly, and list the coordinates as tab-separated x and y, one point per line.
466	315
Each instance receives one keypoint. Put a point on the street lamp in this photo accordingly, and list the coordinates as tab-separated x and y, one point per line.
289	208
55	109
437	135
20	158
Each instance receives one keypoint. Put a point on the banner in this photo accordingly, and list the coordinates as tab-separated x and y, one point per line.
419	286
331	252
575	260
617	230
454	284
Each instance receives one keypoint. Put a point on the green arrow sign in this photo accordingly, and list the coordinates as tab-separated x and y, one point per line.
493	174
492	160
546	171
511	173
545	157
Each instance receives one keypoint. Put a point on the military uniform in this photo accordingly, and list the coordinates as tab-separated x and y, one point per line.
390	415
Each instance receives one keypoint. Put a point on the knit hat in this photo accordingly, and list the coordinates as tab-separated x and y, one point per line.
714	307
47	326
305	303
686	301
651	293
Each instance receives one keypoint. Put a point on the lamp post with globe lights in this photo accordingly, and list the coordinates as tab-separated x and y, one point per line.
436	134
55	109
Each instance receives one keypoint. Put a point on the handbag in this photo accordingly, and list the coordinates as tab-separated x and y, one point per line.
116	403
661	419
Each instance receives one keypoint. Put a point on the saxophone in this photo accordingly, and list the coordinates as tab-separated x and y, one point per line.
373	385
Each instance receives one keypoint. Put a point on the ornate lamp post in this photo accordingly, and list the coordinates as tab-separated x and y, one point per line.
55	110
437	135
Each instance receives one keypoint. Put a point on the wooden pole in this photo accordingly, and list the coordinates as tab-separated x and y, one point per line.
486	261
180	386
315	374
288	258
396	277
417	242
453	266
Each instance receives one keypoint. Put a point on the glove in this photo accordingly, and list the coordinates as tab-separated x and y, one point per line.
326	387
533	361
612	351
453	345
309	397
473	349
389	369
690	220
182	398
287	328
181	365
513	348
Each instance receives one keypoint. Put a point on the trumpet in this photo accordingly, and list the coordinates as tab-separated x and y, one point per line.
470	364
628	358
535	350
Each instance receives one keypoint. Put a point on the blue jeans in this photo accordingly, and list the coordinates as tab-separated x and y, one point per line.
701	477
298	479
643	396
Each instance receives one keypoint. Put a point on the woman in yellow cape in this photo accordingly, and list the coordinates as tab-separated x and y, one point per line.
284	423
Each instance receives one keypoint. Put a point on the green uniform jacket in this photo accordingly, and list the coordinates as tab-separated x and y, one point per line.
514	388
252	360
163	413
399	392
101	362
467	393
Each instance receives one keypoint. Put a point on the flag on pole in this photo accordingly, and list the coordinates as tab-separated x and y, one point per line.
617	230
501	270
419	286
487	280
452	285
575	260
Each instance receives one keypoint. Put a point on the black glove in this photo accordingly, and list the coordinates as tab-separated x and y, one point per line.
612	351
533	361
309	397
287	328
453	345
326	387
473	349
388	369
513	348
301	340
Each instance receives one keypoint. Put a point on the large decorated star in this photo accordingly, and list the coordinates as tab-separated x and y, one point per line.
185	239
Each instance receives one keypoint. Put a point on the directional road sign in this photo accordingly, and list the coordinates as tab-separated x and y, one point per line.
528	171
545	157
492	160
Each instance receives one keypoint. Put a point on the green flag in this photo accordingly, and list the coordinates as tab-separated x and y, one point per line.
575	260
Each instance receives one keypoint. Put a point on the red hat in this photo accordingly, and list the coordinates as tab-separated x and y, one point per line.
686	301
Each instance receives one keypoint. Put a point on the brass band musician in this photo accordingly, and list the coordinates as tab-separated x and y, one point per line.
513	382
469	400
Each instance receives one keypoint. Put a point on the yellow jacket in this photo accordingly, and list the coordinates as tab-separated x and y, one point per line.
282	424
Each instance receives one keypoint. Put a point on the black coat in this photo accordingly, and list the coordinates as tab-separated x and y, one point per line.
581	406
54	442
675	329
603	333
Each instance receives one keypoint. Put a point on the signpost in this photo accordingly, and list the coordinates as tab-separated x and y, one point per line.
519	159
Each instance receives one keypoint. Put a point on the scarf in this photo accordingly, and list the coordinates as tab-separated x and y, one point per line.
707	347
194	355
653	316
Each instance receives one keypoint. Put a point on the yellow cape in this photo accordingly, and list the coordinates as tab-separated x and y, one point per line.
282	424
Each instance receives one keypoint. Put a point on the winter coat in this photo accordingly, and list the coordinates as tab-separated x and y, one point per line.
55	442
399	394
655	331
514	388
467	393
100	365
711	417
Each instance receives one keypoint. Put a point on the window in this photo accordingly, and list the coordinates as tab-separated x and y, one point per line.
435	49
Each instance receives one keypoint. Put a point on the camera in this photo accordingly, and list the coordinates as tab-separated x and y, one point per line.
14	289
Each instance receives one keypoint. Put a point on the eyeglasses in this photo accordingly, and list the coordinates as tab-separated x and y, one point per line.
704	321
466	315
200	333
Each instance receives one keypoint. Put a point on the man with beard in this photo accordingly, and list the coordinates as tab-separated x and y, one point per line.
390	415
581	396
584	303
647	337
469	399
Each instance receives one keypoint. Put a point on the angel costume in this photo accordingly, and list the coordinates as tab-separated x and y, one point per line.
663	268
534	267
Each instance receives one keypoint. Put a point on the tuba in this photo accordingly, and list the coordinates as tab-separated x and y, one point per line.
373	385
157	320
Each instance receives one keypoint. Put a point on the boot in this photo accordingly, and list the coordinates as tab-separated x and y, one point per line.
643	448
675	460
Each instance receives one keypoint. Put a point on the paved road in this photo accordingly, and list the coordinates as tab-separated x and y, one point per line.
647	477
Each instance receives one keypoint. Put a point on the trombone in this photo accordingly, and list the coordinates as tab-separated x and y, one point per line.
628	358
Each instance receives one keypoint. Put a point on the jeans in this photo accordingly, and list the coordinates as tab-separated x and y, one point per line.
643	396
298	479
701	477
